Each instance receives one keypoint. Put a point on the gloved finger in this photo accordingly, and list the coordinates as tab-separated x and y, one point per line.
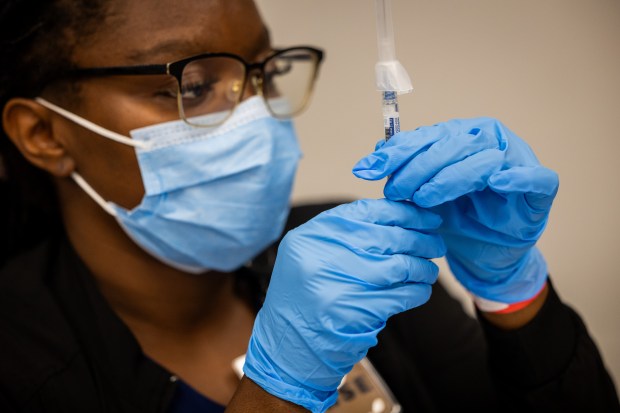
462	178
386	270
379	144
387	213
376	239
404	146
394	153
408	296
384	240
381	304
537	183
410	177
419	270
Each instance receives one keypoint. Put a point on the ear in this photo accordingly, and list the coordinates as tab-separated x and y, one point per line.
29	126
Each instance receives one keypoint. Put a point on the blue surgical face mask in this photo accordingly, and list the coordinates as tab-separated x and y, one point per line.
214	197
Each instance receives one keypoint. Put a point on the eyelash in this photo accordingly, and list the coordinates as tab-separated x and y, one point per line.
171	92
193	86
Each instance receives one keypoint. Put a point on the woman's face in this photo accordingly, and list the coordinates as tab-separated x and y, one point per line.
142	32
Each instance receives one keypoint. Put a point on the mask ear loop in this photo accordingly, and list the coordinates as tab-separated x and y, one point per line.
117	137
93	194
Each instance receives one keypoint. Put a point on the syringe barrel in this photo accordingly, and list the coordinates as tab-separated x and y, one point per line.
385	30
391	116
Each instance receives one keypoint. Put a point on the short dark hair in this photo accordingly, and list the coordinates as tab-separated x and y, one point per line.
37	39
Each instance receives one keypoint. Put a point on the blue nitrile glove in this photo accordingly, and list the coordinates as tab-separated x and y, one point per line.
491	191
336	281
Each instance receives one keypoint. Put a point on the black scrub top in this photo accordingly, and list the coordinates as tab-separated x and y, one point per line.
63	349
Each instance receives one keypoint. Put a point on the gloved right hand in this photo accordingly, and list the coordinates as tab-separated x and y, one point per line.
336	281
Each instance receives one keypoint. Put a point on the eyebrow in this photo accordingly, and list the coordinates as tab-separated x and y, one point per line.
172	46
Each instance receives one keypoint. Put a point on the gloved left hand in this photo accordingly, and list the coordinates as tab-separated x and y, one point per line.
336	281
491	191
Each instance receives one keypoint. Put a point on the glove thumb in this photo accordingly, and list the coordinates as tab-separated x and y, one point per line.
538	184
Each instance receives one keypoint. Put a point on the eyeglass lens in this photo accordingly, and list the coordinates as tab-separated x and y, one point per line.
212	87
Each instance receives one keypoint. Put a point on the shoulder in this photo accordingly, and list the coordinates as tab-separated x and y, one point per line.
36	342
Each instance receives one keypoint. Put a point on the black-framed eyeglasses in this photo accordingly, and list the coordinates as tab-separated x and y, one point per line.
210	85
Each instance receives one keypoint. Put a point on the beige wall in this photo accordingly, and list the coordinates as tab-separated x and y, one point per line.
549	69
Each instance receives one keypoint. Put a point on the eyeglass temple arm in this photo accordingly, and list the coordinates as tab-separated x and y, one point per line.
122	70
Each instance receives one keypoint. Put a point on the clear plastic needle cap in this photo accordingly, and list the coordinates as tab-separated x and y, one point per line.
390	73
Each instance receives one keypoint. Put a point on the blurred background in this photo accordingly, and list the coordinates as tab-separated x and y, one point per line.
550	70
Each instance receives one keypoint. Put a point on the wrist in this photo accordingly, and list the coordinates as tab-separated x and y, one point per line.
263	369
251	398
497	307
516	315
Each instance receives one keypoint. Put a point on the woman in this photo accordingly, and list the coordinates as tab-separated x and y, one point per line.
148	163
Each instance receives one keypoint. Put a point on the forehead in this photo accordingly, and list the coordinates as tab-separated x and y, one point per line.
156	31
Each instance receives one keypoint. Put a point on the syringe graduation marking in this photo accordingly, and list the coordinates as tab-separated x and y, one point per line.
391	117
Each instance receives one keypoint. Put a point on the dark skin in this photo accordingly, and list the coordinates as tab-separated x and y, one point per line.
189	324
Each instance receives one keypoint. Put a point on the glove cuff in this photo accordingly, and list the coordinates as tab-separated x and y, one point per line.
260	370
522	283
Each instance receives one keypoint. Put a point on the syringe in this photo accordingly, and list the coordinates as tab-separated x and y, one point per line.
391	117
392	78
